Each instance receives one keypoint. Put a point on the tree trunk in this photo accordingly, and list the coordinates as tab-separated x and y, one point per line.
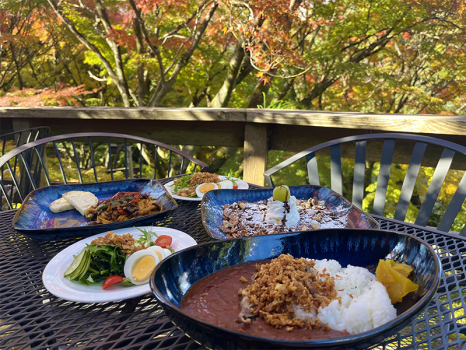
18	68
257	98
287	88
141	76
318	90
219	158
223	96
119	65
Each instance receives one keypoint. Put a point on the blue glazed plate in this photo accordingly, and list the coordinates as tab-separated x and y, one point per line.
175	275
212	202
35	220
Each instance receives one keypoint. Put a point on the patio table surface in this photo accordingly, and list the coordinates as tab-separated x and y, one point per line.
32	318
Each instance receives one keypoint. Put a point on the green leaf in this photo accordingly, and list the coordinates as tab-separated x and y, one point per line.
146	238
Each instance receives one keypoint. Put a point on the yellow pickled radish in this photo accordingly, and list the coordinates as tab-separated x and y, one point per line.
394	277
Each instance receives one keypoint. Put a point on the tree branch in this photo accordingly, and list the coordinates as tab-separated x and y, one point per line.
165	86
93	48
153	49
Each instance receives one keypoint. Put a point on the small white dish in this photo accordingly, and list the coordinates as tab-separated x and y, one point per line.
55	282
242	185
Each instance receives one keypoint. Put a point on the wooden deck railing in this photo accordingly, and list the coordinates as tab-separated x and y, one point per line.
257	130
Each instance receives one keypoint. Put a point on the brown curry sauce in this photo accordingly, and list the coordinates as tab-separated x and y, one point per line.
214	299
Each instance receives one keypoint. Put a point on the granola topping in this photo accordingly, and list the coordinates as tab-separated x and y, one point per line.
244	219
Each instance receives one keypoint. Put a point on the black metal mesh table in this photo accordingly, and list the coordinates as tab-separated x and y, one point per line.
31	317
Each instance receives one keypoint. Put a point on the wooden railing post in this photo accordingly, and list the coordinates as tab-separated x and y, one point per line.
255	153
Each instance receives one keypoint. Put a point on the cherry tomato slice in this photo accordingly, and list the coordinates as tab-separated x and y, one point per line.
110	281
235	187
163	241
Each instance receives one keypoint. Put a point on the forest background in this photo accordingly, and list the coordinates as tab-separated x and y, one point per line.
378	56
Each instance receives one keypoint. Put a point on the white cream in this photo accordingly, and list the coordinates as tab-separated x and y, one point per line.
276	212
292	218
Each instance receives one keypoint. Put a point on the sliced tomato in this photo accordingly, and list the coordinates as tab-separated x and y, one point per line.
163	241
235	187
110	281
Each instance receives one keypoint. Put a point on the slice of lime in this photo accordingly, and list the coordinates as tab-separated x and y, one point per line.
76	263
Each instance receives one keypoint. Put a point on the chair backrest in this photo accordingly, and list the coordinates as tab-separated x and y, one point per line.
406	177
89	157
9	142
18	138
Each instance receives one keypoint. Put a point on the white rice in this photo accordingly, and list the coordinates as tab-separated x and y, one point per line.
365	303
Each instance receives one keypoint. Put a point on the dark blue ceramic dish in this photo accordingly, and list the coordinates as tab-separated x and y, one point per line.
176	274
212	202
35	220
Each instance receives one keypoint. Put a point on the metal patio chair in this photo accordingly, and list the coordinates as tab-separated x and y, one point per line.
20	137
7	143
388	175
90	157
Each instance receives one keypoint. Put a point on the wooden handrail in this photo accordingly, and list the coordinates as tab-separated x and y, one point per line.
257	130
421	123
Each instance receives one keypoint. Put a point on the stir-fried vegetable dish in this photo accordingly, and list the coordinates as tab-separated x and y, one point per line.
121	207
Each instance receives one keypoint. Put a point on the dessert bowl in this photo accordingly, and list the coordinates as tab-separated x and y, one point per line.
213	201
176	274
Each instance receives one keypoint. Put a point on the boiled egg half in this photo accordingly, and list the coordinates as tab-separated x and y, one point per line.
161	253
140	265
202	189
225	185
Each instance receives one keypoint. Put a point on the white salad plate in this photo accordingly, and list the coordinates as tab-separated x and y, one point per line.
56	283
242	185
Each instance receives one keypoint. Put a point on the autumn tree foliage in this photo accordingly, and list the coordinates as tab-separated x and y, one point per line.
317	45
142	45
39	63
29	97
22	40
377	56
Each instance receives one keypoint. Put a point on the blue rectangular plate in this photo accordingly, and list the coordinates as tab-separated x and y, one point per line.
35	219
212	202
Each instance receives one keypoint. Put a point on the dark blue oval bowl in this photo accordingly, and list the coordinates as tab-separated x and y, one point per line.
35	219
176	274
213	201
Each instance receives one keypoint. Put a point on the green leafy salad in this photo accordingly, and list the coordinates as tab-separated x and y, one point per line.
181	183
99	261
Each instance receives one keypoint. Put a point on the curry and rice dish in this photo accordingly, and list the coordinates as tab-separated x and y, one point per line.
293	299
